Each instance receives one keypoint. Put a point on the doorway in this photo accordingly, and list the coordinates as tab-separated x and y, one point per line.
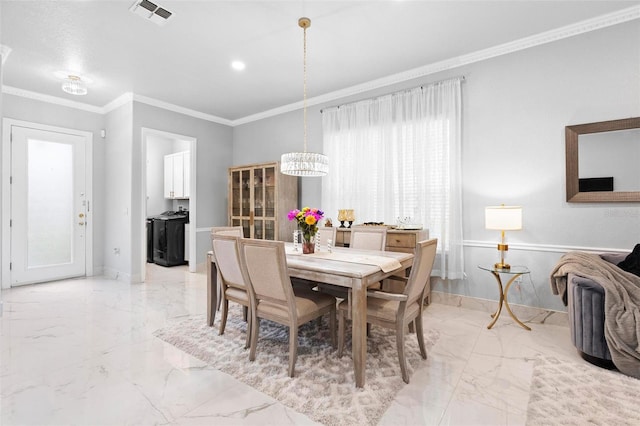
47	195
156	146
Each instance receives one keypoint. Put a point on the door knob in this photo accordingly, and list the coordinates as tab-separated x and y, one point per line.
81	215
80	223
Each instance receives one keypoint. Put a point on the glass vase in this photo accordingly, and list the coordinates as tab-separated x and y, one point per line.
308	244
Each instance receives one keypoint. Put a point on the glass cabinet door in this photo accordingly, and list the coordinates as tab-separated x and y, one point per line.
270	191
258	192
235	193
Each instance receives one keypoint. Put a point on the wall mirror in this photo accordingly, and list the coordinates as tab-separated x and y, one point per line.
603	161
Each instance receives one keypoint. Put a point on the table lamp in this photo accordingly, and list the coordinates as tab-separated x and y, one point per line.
503	218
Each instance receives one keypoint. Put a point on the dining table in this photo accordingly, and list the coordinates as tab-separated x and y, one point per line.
345	267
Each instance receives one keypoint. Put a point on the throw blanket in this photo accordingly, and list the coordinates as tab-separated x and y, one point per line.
621	304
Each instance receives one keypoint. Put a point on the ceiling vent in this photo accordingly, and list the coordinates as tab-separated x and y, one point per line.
151	11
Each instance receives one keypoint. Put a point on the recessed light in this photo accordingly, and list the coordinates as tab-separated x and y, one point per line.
238	65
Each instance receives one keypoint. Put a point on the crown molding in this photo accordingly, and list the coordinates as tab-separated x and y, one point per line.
557	34
181	110
578	28
123	99
9	90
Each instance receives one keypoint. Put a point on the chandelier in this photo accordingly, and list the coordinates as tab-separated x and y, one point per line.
74	85
304	163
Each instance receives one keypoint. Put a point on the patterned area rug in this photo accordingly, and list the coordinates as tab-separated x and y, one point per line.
578	393
323	387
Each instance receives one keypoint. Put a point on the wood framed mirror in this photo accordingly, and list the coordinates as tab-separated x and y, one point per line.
603	161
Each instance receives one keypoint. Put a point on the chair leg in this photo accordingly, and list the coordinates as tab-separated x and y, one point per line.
293	348
420	333
255	330
223	316
245	313
332	327
247	342
400	347
340	333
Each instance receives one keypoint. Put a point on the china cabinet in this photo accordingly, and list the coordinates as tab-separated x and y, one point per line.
260	198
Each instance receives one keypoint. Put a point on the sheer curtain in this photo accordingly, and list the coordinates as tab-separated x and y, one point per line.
399	156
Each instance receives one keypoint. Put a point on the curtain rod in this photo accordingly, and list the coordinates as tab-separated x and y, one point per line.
422	86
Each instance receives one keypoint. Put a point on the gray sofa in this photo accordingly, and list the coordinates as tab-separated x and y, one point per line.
585	300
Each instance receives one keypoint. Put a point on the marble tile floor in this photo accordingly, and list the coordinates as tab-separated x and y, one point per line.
83	352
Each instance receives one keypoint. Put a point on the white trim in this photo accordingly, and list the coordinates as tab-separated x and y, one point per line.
544	247
145	132
5	214
9	90
181	110
593	24
118	102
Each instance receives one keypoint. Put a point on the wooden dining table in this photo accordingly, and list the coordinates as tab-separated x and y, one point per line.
344	267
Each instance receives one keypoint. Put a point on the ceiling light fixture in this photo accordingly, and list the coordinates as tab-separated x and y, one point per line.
304	163
74	85
238	65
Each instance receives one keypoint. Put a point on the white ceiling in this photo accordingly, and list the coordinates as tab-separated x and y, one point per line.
186	62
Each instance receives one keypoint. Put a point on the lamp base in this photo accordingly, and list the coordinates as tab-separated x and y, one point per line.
502	265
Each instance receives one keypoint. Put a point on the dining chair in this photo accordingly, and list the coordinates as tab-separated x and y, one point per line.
226	230
397	311
264	264
326	234
368	238
362	238
232	284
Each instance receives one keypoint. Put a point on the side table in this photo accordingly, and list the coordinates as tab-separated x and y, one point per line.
514	272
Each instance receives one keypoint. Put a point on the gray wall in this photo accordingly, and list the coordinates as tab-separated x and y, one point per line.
118	172
515	108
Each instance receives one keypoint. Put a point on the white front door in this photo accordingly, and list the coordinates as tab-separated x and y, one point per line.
48	205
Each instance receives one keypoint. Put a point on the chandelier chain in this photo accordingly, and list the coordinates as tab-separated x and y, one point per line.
304	95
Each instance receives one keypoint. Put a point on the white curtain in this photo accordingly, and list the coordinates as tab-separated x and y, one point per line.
399	156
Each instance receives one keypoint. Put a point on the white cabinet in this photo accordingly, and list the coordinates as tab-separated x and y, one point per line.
176	175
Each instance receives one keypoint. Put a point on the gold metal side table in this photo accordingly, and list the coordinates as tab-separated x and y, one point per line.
514	272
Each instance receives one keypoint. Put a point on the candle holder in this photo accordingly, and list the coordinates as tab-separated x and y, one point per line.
342	217
350	217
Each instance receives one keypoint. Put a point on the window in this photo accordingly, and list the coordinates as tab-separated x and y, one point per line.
398	156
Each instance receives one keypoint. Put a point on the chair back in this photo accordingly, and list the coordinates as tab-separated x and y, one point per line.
421	269
227	254
326	234
265	264
228	230
368	238
235	231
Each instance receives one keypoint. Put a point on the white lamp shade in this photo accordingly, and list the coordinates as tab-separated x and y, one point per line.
503	218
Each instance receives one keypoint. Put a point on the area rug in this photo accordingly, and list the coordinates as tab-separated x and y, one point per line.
565	392
323	387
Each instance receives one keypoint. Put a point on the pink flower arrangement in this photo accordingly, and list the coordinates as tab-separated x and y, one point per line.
307	219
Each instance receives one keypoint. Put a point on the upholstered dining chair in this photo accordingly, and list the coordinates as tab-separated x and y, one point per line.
326	234
236	231
362	238
368	238
264	264
232	284
397	311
